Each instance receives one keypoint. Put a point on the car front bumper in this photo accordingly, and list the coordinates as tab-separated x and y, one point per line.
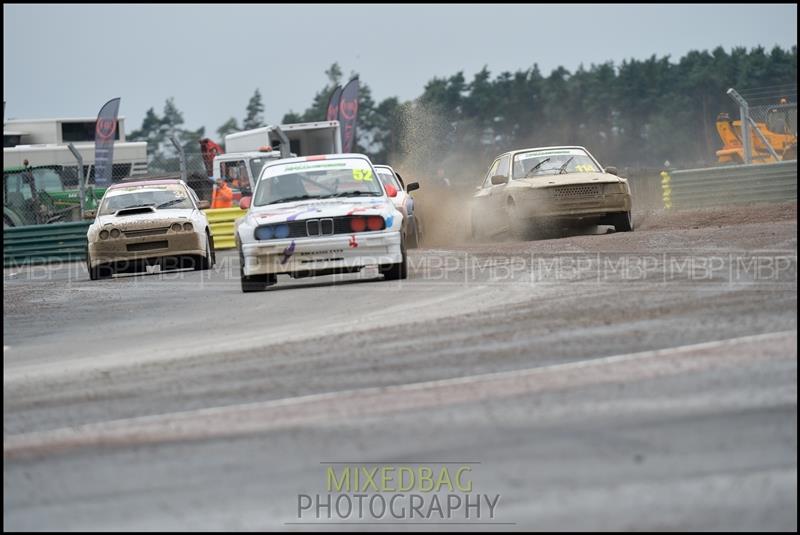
116	250
538	203
340	251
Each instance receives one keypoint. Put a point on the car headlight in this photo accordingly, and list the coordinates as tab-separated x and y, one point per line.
267	232
614	188
115	233
282	231
103	234
176	227
187	227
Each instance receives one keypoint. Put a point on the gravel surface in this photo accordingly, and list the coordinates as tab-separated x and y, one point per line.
173	400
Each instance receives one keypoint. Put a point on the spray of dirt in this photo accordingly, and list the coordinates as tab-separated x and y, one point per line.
444	207
447	178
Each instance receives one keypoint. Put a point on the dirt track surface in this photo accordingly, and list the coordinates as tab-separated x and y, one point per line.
589	376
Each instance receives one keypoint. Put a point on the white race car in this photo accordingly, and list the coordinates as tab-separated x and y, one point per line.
147	222
403	201
318	215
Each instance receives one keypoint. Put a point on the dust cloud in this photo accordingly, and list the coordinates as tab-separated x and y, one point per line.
447	178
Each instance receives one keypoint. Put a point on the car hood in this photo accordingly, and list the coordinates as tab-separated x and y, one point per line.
566	179
312	209
159	217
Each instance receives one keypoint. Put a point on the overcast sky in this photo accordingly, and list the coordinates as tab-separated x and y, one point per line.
67	60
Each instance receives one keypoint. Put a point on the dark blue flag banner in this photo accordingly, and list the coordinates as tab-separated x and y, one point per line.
348	114
333	104
104	142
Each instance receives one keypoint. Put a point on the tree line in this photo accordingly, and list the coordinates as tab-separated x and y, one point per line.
637	113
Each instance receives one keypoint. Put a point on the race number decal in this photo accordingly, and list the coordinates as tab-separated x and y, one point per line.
586	168
360	175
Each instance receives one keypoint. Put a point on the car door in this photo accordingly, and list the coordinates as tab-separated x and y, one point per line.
498	191
482	210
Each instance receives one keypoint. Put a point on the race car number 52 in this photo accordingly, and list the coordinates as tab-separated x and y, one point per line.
362	175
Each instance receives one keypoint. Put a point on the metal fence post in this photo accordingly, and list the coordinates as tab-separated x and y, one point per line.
744	116
81	182
763	139
181	157
286	150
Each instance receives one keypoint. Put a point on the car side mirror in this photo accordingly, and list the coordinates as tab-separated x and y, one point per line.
414	186
499	179
391	191
612	170
89	214
244	203
203	205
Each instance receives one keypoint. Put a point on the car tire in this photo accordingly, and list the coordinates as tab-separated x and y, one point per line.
100	272
397	271
519	227
205	262
413	235
254	283
474	231
623	221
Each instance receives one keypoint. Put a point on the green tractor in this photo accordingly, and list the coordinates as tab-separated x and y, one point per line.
37	196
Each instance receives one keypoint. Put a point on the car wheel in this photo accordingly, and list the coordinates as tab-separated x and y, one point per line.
520	227
254	283
474	230
397	271
413	236
623	221
205	263
100	272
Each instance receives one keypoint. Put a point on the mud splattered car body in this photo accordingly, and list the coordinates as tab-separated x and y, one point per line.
319	215
549	186
148	221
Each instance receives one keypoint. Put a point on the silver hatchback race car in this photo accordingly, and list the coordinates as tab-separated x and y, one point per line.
148	222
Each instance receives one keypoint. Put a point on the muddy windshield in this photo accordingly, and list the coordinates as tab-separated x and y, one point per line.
318	179
553	162
159	197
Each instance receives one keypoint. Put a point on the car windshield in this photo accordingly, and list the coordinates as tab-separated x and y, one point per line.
553	162
316	179
387	177
159	197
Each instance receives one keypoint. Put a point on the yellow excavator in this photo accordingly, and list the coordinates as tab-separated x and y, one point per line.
779	130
